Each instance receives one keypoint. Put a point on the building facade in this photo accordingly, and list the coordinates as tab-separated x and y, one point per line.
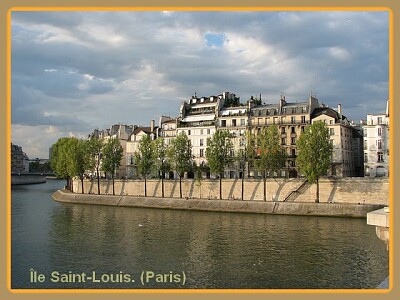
376	144
19	160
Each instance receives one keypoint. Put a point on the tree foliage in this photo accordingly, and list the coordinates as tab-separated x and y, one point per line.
144	159
159	156
271	158
219	153
93	155
314	152
180	156
68	159
112	156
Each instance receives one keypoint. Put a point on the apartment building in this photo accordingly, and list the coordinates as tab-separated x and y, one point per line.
132	146
376	144
291	119
342	136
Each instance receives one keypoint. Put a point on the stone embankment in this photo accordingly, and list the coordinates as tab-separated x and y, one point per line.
332	190
18	179
261	207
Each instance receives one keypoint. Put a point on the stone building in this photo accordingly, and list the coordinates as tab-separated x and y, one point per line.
342	136
291	119
376	144
19	160
132	146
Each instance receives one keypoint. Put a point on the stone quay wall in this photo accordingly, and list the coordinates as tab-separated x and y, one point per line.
338	190
18	179
232	206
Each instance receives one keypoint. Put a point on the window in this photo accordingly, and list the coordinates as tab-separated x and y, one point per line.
365	132
283	130
379	120
293	120
201	142
365	157
223	123
242	122
332	131
208	131
379	131
188	132
380	157
293	129
302	128
379	142
330	122
283	141
303	119
275	120
293	152
201	152
234	122
365	145
331	141
293	141
201	131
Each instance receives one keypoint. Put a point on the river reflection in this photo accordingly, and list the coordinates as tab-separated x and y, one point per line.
215	250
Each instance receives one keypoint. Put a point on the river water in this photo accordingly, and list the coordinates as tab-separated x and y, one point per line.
53	244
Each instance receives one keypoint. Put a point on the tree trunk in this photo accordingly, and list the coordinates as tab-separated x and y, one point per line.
112	176
145	187
82	184
317	193
243	185
180	185
98	180
162	184
265	185
220	186
67	185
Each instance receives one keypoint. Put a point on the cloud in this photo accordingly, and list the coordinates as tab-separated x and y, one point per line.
86	70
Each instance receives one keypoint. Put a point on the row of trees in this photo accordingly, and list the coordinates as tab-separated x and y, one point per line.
72	157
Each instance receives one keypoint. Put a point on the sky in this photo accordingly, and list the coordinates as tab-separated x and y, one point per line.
73	72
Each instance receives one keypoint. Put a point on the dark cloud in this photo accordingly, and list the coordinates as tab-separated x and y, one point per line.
86	70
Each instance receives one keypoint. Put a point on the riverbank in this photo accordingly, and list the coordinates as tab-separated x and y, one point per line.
18	179
260	207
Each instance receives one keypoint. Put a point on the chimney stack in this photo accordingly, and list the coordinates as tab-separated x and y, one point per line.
152	124
339	109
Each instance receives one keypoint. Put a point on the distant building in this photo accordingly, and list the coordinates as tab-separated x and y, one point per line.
344	139
376	144
132	146
19	160
291	119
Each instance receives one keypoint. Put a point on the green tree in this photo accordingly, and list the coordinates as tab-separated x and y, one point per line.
314	153
59	160
271	158
112	155
144	159
94	153
79	158
159	155
251	151
68	159
180	156
219	154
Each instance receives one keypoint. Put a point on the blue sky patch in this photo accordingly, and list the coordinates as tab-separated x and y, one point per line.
214	39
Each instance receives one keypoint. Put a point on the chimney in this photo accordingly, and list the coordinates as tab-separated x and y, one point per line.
152	124
339	109
387	107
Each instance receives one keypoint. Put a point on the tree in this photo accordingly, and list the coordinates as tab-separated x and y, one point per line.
59	160
112	155
144	159
180	156
94	153
79	158
271	158
68	159
314	153
251	152
219	154
159	155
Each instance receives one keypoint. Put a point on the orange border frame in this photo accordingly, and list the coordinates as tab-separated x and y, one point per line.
201	291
